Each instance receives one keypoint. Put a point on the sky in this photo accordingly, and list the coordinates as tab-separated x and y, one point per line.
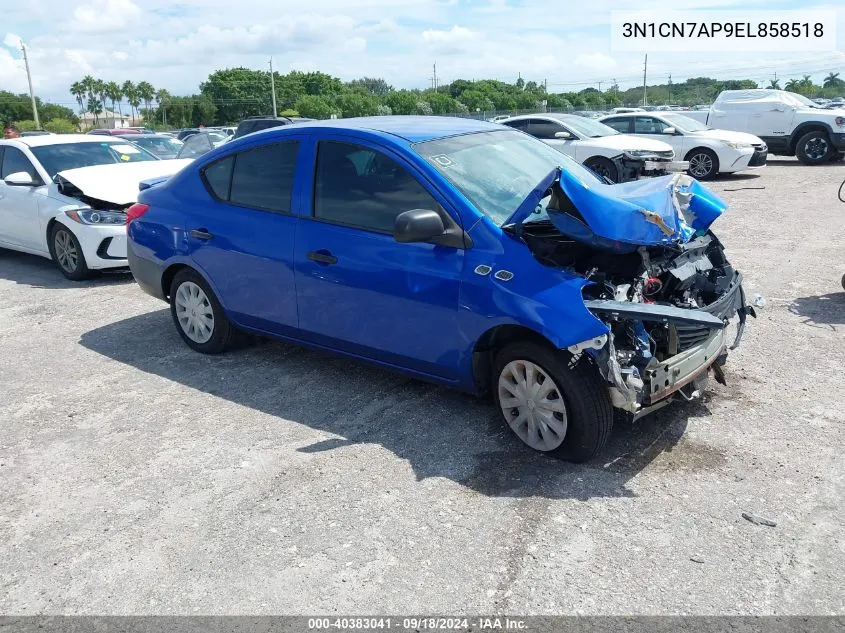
175	44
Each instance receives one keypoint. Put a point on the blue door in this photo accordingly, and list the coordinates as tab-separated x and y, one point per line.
243	239
358	289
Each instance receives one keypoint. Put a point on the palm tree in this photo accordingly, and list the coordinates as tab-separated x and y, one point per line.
163	99
147	93
115	93
100	92
832	80
131	94
774	84
77	89
792	85
89	83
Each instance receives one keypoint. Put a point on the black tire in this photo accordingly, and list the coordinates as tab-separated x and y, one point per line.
67	254
704	161
835	158
589	414
604	167
814	148
222	330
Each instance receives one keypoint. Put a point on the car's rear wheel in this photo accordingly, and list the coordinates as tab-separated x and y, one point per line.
67	253
703	163
604	167
198	315
814	148
551	401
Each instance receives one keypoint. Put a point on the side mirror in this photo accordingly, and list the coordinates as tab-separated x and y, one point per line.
670	131
563	135
19	179
418	225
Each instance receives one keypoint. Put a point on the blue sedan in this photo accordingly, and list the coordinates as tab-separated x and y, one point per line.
456	251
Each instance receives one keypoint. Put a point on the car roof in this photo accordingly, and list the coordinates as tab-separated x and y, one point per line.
558	116
61	139
414	129
132	137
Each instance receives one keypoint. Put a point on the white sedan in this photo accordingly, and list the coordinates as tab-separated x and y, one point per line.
708	151
614	156
64	197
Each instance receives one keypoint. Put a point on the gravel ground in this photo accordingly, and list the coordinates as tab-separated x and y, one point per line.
140	477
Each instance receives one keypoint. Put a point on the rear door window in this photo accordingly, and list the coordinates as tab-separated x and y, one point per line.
262	177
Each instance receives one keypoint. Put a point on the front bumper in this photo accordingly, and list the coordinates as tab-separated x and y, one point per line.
682	369
103	246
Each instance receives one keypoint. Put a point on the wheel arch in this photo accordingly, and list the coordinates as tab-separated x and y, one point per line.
493	340
802	129
168	275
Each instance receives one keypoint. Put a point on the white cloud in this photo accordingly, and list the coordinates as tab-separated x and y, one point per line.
595	61
104	16
456	40
12	40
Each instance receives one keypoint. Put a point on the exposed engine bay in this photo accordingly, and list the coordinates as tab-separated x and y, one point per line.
666	306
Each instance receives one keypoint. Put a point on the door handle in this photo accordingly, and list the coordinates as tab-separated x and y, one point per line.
201	234
322	257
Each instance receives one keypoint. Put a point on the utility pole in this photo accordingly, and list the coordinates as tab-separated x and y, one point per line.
273	87
645	93
31	93
545	85
434	78
600	83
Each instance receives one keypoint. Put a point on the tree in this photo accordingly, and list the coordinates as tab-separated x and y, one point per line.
60	126
240	92
833	81
423	107
115	93
100	91
89	83
314	107
163	99
353	104
131	93
147	93
441	103
77	89
401	101
373	85
774	84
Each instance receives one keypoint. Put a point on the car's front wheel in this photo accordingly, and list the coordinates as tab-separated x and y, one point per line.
814	148
198	315
552	401
604	167
703	163
67	253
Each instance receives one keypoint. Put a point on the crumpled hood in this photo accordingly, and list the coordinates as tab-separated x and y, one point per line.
117	183
648	212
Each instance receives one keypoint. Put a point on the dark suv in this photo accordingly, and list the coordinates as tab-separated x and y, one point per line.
256	123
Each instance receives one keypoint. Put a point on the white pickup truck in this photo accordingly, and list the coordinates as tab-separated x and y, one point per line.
790	124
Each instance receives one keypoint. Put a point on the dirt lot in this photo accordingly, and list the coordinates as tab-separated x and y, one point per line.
140	477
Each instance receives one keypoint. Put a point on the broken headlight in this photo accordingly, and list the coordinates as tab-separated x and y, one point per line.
92	216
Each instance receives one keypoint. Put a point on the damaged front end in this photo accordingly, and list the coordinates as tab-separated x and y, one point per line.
658	278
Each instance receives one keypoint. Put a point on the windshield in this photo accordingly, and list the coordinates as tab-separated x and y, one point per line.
589	128
161	146
497	170
685	123
801	99
56	158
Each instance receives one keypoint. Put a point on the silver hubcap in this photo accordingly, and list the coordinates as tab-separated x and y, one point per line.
816	148
532	405
700	165
194	313
66	253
